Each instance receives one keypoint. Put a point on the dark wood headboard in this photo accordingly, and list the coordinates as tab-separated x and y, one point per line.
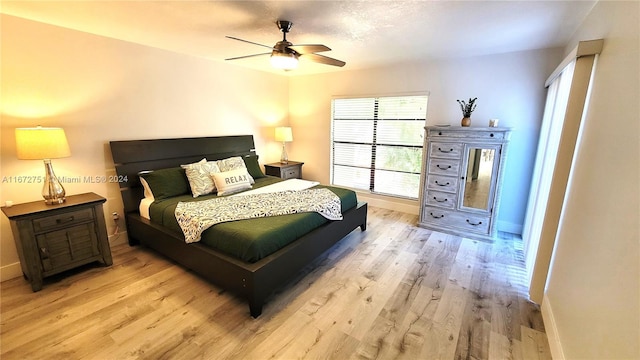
132	156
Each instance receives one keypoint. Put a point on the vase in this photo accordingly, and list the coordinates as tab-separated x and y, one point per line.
466	121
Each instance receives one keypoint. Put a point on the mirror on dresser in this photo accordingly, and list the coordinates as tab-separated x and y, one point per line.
476	189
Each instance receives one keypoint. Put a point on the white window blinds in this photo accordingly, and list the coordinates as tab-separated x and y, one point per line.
377	144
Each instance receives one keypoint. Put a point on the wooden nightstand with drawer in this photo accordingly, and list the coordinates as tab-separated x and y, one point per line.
54	238
290	170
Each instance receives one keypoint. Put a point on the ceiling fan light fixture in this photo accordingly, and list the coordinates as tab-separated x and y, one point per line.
284	61
284	54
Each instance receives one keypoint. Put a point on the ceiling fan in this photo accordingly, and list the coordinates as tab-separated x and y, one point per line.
284	55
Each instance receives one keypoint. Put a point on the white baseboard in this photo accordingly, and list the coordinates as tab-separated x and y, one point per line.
10	271
551	330
119	239
405	206
509	227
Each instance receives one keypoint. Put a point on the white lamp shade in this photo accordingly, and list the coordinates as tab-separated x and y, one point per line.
41	143
284	134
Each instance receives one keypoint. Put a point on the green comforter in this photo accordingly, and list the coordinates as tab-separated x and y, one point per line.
253	239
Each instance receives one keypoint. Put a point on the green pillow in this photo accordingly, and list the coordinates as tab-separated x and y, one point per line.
165	183
251	162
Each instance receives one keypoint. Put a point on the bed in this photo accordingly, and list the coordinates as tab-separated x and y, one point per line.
252	279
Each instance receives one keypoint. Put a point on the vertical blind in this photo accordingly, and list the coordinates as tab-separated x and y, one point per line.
555	110
377	143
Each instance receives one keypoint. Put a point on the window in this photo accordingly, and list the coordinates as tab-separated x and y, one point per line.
377	144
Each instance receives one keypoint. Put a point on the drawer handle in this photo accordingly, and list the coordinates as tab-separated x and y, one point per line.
438	200
447	184
62	221
443	167
436	216
472	224
445	151
45	253
491	135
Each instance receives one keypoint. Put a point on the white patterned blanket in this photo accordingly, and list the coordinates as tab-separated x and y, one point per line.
194	217
289	184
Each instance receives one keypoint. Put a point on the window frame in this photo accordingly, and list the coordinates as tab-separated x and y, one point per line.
376	145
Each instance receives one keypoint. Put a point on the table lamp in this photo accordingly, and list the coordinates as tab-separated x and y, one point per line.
42	143
284	134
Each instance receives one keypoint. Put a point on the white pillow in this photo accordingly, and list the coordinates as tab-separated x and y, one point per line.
229	182
198	175
233	163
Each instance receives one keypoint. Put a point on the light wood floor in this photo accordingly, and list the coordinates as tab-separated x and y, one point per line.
395	291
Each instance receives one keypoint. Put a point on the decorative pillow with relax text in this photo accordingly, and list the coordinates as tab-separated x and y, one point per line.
229	182
233	163
198	175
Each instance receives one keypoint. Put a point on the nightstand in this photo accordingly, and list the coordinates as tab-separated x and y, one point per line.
290	170
54	238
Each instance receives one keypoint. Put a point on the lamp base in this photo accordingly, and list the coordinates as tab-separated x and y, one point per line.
52	190
55	201
284	158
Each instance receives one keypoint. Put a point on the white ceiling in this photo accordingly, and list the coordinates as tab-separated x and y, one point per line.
362	33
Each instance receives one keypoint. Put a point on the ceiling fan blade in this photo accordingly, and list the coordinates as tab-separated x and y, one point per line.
250	42
323	59
309	48
248	56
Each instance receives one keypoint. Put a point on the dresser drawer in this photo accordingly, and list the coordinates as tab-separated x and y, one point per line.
442	183
433	215
444	167
469	135
62	219
290	170
457	220
437	198
446	150
291	173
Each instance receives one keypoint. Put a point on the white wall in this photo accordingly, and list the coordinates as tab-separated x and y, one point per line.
592	290
100	89
508	86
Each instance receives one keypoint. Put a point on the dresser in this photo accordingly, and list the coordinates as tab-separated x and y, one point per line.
54	238
461	180
290	170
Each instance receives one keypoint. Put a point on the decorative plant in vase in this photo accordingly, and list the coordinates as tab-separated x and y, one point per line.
467	109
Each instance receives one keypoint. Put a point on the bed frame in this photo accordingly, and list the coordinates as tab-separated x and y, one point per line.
255	281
